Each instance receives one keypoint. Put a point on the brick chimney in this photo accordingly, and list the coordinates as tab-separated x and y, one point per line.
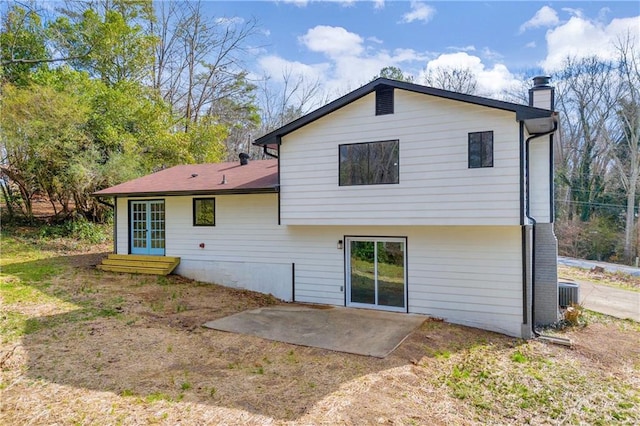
542	95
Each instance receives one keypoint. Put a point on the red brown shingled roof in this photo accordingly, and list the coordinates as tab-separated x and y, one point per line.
256	176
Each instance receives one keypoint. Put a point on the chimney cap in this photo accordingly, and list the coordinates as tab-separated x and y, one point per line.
244	158
541	81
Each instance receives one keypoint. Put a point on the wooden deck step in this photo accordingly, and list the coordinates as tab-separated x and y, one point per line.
139	264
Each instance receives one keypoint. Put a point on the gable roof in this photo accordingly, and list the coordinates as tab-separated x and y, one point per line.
192	179
523	112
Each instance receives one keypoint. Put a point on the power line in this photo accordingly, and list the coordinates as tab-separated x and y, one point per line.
591	203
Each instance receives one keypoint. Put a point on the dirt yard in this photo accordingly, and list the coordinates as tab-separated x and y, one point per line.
81	346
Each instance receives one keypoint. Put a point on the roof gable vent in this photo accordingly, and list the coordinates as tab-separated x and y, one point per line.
384	100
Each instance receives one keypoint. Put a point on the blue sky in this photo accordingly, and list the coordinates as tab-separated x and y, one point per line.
343	44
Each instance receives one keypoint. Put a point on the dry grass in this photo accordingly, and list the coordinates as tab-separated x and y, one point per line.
80	346
611	279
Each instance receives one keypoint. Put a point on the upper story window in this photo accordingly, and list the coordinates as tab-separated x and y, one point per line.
369	163
204	212
480	149
384	100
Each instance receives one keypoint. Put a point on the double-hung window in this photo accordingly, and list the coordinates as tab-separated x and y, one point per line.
369	163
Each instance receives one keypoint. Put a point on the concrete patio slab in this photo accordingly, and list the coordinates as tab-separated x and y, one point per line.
356	331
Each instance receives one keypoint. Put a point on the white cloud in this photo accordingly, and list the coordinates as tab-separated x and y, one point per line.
350	60
491	54
530	45
344	3
469	48
236	20
276	67
332	41
545	17
378	4
574	12
492	82
299	3
602	13
580	37
419	12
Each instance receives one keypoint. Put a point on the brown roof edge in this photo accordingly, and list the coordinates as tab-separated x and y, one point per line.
273	190
257	176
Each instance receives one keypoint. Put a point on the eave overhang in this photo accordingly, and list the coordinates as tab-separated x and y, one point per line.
541	125
523	112
203	192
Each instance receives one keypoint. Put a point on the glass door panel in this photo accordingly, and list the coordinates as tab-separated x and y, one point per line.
362	272
156	225
390	273
139	227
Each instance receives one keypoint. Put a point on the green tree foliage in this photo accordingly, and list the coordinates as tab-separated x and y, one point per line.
44	142
394	73
204	141
67	135
110	44
94	119
22	45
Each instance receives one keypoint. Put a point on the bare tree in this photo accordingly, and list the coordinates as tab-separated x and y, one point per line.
199	70
625	143
586	96
462	80
289	99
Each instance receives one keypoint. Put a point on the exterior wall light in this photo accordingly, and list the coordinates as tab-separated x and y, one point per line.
339	244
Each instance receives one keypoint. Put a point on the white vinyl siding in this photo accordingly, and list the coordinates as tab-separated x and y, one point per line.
542	98
436	185
540	179
467	275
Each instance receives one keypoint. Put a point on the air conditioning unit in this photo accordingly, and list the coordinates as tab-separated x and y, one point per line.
568	293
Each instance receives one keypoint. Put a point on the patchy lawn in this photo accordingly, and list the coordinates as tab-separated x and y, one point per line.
81	346
611	279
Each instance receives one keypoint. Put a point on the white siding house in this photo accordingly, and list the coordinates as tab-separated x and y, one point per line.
397	197
436	186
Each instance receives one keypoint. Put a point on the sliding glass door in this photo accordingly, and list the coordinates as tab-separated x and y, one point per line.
376	273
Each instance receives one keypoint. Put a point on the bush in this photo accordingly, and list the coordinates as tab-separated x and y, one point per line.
573	313
597	239
78	228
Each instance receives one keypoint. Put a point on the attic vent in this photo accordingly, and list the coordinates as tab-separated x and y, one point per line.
384	100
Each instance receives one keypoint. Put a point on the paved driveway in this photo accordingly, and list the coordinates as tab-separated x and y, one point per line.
589	264
611	301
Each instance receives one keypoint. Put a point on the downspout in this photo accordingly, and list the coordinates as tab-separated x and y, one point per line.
533	222
267	153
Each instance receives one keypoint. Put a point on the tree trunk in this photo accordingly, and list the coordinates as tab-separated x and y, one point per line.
628	229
